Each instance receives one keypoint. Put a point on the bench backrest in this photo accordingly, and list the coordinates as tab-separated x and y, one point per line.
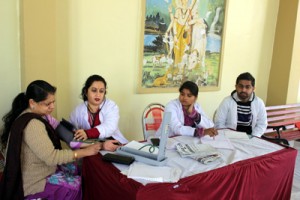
283	115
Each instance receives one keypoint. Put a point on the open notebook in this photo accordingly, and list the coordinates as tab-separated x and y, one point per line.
157	157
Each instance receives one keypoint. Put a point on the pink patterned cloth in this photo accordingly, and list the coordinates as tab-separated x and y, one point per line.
65	184
193	119
52	121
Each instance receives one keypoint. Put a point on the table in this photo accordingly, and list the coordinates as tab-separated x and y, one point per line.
266	176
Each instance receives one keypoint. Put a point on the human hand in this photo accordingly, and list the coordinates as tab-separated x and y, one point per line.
190	109
212	132
80	135
92	149
111	145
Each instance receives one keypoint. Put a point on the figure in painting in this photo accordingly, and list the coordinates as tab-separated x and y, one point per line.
169	36
181	30
189	31
188	49
198	35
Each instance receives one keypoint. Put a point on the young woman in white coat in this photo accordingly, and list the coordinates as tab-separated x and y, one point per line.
188	118
97	116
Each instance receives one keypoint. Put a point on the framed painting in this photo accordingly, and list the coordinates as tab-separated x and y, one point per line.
182	40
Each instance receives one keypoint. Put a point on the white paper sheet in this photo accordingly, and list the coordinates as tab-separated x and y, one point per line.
234	134
153	173
220	141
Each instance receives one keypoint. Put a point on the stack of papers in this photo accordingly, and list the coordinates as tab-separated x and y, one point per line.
173	141
186	150
203	153
153	173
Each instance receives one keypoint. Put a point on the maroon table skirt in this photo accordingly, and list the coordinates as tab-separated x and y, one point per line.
265	177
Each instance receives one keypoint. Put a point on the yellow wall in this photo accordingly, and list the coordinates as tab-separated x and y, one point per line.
38	41
284	74
294	82
38	51
9	54
66	41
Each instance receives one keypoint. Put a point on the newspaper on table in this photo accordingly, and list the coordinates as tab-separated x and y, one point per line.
203	153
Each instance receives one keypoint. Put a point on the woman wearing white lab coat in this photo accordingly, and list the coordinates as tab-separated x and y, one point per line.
188	118
97	116
108	115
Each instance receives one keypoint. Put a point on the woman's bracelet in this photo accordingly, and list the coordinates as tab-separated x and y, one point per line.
75	155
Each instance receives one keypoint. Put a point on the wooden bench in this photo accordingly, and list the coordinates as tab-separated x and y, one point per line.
283	123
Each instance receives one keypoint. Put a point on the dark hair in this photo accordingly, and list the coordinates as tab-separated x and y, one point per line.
88	84
38	91
246	76
191	86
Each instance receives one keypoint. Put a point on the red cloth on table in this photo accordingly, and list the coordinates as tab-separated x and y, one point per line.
102	180
265	177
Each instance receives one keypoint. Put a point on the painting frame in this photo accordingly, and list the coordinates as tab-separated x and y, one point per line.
163	69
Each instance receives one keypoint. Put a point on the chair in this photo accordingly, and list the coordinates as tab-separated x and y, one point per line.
152	118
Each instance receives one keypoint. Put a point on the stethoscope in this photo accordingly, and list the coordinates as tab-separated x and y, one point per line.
87	106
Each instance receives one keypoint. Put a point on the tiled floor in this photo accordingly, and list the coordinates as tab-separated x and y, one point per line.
296	184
